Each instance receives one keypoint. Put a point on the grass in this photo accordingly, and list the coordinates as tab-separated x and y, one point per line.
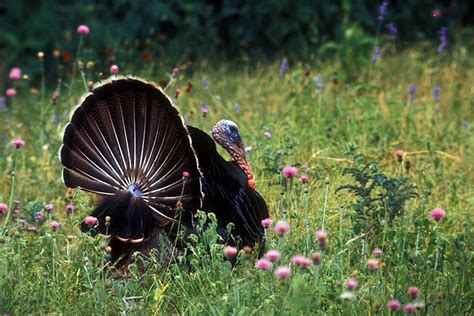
61	271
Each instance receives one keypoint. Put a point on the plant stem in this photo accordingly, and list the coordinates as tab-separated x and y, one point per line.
12	192
325	203
74	68
306	220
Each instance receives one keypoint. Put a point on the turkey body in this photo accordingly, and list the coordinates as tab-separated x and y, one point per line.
227	194
128	144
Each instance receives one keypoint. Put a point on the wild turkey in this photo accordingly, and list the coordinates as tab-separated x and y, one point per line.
129	145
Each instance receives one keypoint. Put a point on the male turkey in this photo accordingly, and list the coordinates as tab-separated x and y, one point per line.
128	144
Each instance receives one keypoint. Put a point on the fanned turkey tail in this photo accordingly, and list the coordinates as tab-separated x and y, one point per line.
128	144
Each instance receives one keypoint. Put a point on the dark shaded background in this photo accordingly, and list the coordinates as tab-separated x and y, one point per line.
203	28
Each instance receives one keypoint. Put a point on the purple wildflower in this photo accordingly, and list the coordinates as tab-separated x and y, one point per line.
376	55
284	65
392	30
436	92
319	82
382	10
236	107
204	109
3	104
49	207
443	39
39	216
205	83
411	91
267	133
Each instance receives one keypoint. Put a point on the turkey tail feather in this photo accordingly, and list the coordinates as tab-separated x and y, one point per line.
126	142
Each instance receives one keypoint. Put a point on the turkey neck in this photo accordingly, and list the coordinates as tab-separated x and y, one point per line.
241	160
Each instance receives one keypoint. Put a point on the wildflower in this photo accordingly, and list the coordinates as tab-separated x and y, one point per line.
18	143
300	261
267	133
10	92
90	85
48	207
175	70
304	178
248	149
263	264
40	55
284	65
413	291
316	257
15	74
56	53
39	216
16	213
205	83
443	39
282	227
21	222
230	251
16	203
32	229
282	273
83	29
266	222
436	93
409	308
399	153
69	208
177	92
392	30
185	174
437	214
3	208
204	109
236	107
3	104
114	69
289	171
90	64
321	235
273	255
382	11
54	224
436	13
411	91
319	82
351	284
90	220
377	251
347	296
376	55
373	264
393	305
